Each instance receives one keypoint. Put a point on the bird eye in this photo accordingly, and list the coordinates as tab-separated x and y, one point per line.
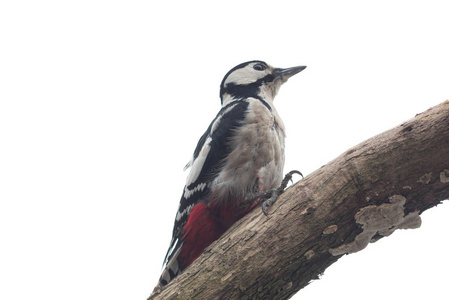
259	67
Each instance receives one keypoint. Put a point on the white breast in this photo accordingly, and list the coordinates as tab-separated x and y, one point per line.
257	160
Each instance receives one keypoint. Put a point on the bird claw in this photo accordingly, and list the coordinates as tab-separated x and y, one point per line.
269	201
288	177
275	193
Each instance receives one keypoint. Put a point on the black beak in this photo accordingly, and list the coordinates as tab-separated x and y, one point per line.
287	73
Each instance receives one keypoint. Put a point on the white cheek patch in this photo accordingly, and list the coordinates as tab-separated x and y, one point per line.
245	76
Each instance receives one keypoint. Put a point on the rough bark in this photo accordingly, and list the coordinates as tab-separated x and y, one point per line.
366	193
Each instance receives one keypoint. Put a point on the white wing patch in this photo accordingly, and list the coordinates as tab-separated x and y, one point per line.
186	211
200	187
198	163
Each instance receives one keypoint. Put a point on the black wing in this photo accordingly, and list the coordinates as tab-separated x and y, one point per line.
212	148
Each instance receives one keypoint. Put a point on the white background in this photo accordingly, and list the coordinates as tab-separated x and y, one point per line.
102	103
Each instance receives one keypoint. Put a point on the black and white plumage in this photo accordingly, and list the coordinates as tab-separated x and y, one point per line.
240	155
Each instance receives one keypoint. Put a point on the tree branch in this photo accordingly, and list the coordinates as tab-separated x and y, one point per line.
366	193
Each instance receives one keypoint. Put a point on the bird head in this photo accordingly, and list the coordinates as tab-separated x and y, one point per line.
254	79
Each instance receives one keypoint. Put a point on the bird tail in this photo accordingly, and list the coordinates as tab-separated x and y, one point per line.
170	270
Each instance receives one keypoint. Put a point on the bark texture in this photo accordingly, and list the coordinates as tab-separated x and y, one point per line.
366	193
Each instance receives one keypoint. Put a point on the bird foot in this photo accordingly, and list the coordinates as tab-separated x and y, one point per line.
270	196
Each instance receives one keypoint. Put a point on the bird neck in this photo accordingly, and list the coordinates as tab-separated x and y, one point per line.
227	98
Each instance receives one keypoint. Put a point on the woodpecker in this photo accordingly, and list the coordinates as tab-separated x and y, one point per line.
238	161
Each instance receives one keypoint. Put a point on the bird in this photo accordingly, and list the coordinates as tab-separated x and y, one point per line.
237	164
